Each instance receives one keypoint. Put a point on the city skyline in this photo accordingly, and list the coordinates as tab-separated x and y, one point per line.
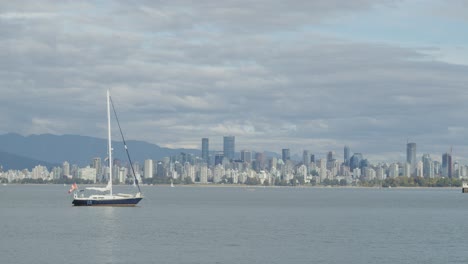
313	75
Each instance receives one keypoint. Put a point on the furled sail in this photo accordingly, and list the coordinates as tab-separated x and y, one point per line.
100	189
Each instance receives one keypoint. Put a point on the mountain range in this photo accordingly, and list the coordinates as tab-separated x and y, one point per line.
25	152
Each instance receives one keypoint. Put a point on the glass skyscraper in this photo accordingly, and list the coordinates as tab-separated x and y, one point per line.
285	155
229	147
205	150
347	153
447	165
411	157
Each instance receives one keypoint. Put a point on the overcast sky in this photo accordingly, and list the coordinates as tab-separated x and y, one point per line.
305	74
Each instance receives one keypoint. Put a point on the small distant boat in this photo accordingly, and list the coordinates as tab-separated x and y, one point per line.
4	184
465	187
108	199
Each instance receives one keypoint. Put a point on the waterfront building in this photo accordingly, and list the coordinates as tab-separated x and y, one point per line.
301	171
122	176
39	172
380	173
97	165
87	173
205	150
203	178
218	173
437	168
189	171
420	169
393	170
357	173
148	168
229	147
273	163
57	172
66	168
411	158
322	167
428	166
369	173
407	169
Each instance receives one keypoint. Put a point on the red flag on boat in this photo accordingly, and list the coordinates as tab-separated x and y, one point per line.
73	187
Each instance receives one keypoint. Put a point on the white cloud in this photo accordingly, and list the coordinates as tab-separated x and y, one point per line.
179	72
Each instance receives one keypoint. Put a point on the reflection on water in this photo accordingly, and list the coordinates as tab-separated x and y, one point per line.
231	225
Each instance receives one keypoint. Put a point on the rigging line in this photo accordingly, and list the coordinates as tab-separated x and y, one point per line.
125	145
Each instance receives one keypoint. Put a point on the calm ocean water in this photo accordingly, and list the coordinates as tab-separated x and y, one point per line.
38	224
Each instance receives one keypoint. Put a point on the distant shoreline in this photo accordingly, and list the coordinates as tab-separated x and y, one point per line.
240	186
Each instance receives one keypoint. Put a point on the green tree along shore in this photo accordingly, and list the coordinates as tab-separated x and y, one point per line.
400	181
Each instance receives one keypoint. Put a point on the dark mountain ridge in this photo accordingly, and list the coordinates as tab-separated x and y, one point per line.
80	150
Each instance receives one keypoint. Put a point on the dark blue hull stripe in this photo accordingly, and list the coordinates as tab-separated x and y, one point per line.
113	202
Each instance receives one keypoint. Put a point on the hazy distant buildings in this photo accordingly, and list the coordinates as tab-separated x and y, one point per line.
347	154
355	161
66	168
229	147
447	165
205	150
285	155
218	158
148	169
97	165
246	156
428	166
411	158
306	158
87	173
393	170
259	161
312	158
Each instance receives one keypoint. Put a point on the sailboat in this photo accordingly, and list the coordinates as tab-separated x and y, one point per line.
109	199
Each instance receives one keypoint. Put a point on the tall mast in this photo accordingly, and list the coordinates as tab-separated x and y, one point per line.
109	143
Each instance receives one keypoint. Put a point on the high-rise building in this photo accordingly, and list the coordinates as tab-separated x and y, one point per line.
312	158
285	155
330	156
447	165
66	168
205	150
306	157
218	158
355	161
428	166
97	165
229	147
347	156
411	157
148	169
246	156
259	161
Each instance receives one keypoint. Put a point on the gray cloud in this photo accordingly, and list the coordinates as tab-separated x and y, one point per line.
179	72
